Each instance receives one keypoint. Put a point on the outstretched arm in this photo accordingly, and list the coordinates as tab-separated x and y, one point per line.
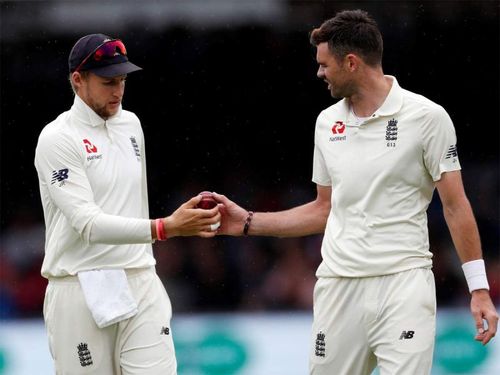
465	235
309	218
188	220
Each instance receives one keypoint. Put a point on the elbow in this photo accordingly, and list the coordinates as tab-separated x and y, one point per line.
82	222
85	233
322	212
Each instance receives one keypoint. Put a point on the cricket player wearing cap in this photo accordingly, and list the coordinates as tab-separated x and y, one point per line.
106	311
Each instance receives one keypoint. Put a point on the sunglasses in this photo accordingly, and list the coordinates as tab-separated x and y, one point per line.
109	48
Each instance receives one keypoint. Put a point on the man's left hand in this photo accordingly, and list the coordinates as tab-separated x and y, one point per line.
482	308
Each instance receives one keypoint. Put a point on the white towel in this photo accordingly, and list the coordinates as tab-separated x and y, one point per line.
107	295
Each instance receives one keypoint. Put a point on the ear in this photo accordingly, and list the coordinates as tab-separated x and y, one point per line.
352	62
77	79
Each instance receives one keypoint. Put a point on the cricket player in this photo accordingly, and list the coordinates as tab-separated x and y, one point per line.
106	311
379	153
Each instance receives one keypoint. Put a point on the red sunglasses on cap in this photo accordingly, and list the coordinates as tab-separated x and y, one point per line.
109	48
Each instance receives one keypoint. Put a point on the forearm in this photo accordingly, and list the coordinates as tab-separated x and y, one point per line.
465	235
463	230
303	220
111	229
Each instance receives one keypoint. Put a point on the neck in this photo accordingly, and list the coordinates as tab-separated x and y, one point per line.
371	92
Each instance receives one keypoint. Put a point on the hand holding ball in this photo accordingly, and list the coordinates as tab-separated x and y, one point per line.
208	202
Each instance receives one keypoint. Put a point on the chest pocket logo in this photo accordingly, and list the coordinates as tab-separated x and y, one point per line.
89	147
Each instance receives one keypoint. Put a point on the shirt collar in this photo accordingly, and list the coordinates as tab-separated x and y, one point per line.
87	115
392	104
394	100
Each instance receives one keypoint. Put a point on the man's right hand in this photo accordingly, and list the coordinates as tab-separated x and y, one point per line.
188	220
233	216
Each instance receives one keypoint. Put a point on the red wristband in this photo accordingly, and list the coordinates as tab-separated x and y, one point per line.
160	230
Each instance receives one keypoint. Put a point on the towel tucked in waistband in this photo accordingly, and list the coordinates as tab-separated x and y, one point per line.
108	296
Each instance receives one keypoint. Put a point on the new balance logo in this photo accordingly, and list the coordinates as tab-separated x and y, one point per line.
84	355
59	176
165	331
452	152
406	335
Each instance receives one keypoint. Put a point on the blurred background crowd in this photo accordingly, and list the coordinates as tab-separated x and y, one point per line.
228	100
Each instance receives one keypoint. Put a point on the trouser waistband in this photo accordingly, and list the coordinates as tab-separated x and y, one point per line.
130	272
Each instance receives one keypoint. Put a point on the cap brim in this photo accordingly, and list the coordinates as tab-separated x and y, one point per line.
115	70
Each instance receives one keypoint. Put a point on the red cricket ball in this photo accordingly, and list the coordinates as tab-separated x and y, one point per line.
207	201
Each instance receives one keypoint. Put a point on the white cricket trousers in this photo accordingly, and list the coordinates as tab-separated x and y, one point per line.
141	344
386	321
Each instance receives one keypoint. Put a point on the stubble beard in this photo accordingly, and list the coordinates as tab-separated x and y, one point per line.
346	91
335	94
102	111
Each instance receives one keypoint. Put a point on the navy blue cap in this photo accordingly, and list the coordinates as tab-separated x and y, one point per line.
107	67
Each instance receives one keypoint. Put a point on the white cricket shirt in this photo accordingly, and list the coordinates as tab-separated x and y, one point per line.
382	174
92	176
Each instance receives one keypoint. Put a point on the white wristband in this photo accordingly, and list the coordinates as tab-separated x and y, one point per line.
475	274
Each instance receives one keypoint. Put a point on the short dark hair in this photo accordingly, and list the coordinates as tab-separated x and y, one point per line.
351	31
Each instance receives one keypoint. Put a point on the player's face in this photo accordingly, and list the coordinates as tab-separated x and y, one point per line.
333	72
103	95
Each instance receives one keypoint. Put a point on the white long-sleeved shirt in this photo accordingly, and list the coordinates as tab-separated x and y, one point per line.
92	175
382	173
